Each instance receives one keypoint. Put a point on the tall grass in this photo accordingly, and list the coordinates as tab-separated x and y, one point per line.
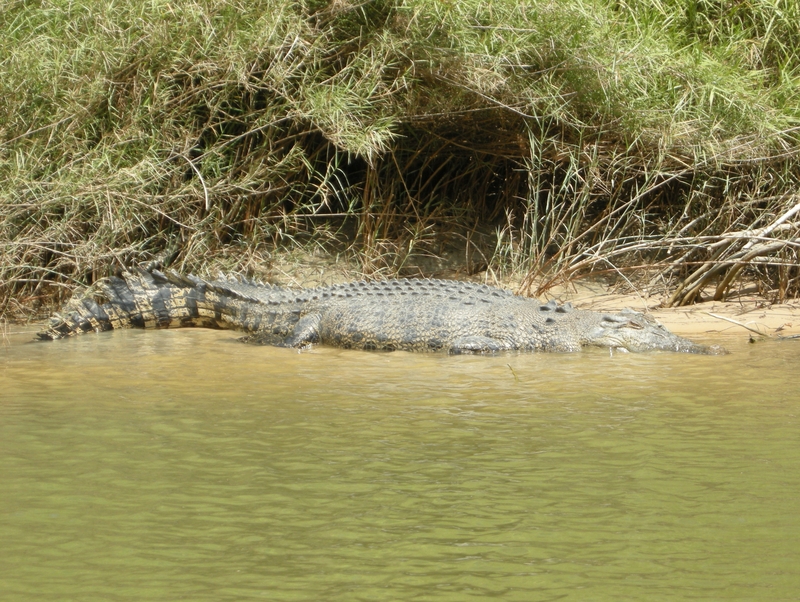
551	138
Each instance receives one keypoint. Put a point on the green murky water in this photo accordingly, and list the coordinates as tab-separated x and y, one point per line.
183	465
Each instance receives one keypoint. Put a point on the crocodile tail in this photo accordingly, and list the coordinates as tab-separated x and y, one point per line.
140	299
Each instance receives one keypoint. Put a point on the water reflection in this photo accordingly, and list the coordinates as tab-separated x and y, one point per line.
159	465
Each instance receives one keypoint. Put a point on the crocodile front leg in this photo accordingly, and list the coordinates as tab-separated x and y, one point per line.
306	332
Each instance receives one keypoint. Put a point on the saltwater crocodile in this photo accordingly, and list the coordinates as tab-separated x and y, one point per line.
411	315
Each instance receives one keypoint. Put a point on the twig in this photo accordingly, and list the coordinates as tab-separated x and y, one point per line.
199	175
732	321
34	131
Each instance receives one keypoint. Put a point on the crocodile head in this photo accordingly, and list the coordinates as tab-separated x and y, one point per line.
634	331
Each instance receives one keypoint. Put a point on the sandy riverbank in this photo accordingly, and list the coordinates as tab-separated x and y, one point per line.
743	315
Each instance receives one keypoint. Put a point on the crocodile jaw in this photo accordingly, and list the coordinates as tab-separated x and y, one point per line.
637	332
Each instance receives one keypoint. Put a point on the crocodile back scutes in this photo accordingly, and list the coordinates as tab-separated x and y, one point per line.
258	292
466	292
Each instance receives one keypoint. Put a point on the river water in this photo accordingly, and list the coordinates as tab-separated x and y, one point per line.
181	464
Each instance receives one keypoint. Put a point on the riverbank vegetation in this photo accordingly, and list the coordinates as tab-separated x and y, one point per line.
654	140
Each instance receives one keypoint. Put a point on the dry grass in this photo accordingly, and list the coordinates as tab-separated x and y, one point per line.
548	140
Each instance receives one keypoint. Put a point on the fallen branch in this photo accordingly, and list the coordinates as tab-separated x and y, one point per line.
736	261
